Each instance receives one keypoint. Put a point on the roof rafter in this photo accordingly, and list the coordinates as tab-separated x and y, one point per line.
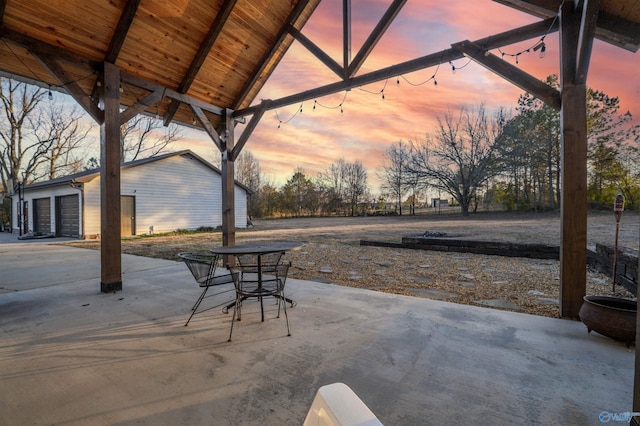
317	51
141	105
67	81
611	29
375	36
502	39
511	73
120	33
38	48
3	5
201	55
269	54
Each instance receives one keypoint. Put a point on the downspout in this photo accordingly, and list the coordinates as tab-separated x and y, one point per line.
80	186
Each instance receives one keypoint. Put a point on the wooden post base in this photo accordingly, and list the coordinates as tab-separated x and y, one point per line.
111	287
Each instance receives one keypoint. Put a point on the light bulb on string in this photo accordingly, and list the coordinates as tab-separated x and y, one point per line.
382	92
50	94
453	67
314	105
541	46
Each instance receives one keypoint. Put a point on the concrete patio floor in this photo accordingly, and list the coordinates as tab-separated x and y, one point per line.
72	355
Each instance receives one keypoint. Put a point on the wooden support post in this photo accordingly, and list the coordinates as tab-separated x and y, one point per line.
573	128
110	248
228	184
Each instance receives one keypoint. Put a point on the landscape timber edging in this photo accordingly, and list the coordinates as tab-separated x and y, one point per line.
601	260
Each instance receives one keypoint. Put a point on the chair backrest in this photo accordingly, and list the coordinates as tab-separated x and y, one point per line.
201	264
269	262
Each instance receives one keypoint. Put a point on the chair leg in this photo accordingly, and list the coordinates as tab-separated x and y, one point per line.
285	315
235	309
195	307
261	309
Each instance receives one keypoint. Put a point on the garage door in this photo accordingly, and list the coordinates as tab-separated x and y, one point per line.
67	216
42	216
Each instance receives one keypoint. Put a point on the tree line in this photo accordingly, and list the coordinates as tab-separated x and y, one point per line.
472	156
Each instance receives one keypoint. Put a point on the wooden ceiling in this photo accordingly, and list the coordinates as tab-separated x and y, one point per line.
219	52
618	20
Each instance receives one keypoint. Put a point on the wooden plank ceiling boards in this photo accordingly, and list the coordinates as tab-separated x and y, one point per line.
218	52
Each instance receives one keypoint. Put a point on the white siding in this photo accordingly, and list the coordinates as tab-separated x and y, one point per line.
50	193
178	192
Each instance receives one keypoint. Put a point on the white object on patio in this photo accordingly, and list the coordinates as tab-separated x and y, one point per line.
337	405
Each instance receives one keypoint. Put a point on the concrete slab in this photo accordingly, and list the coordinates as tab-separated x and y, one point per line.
71	355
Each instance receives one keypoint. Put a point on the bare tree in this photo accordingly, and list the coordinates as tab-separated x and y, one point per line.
460	157
397	177
20	152
143	137
247	171
63	135
356	186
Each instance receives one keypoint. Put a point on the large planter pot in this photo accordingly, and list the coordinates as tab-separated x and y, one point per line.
610	316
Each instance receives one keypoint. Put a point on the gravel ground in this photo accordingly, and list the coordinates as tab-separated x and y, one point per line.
332	254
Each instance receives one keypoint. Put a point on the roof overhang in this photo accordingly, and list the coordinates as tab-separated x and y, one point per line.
618	20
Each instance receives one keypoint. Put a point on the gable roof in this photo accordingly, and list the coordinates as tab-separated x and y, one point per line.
89	175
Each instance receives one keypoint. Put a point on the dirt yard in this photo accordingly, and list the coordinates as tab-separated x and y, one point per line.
332	254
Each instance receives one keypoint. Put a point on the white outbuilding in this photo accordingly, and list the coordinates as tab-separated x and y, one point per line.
179	190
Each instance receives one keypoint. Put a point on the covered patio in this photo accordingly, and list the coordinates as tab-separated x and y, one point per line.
71	355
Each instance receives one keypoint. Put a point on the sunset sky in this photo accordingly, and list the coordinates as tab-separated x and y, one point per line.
369	124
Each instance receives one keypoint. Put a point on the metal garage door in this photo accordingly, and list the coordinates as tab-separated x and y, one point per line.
42	216
67	216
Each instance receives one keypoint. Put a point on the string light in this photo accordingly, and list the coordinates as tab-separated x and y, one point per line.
298	111
538	46
380	92
50	94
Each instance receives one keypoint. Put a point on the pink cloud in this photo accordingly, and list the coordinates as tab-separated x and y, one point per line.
369	124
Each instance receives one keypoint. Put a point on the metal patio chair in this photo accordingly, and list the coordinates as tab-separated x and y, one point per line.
250	284
203	267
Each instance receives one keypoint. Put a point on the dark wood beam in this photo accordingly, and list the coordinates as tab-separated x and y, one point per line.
66	81
618	31
3	5
611	29
502	39
511	73
316	51
346	34
228	184
375	36
140	106
270	53
122	28
39	48
573	205
248	130
110	245
206	125
201	56
169	93
585	42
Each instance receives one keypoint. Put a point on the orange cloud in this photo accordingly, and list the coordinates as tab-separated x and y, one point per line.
369	124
